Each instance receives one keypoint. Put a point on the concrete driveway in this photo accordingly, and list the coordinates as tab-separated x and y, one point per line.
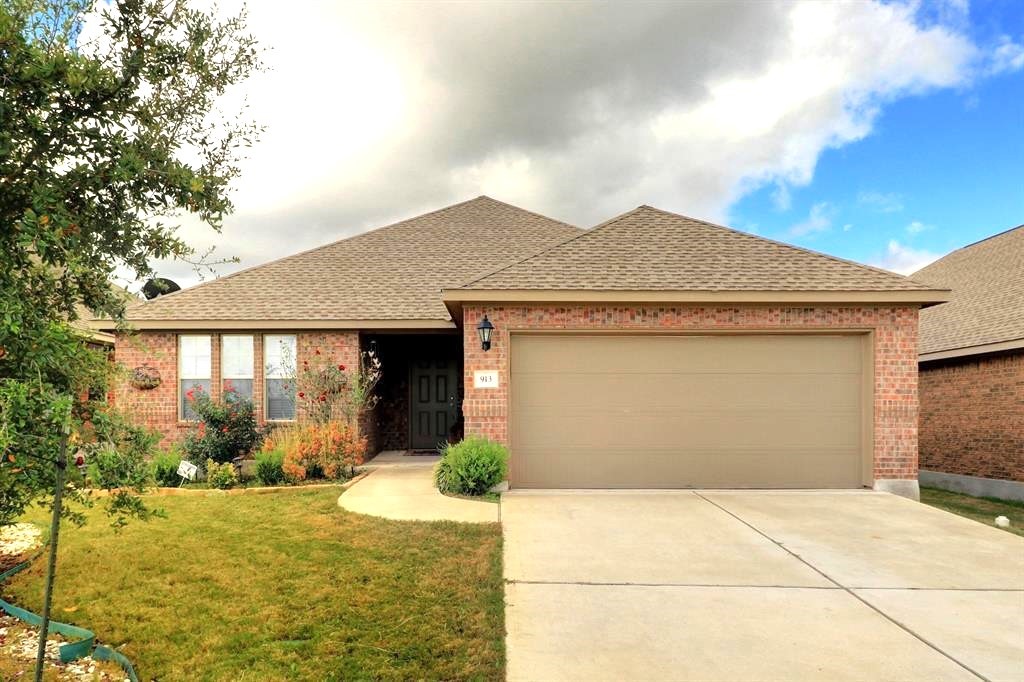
757	586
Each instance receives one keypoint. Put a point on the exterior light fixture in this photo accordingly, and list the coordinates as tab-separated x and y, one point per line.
484	329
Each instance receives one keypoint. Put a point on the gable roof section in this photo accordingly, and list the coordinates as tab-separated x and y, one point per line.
672	257
986	310
391	276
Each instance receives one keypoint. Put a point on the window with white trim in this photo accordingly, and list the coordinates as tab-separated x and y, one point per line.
279	375
194	375
236	364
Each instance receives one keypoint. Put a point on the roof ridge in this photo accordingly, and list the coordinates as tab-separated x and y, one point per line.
352	237
789	246
582	233
526	210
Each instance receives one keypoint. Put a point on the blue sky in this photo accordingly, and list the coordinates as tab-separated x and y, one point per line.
938	171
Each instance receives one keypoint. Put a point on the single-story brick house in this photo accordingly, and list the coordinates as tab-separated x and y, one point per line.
652	351
972	370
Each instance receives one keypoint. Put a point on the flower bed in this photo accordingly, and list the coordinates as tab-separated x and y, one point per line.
18	645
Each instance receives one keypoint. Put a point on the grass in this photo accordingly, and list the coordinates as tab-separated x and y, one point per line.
283	586
981	509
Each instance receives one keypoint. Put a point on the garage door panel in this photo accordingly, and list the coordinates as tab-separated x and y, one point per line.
782	411
805	354
686	391
669	430
583	468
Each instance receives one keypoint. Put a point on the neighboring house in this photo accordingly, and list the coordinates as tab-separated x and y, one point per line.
652	351
972	370
93	329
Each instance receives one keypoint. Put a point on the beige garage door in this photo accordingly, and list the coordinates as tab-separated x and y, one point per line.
748	411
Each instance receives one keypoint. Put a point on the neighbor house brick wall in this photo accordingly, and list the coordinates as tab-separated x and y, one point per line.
895	357
972	416
158	408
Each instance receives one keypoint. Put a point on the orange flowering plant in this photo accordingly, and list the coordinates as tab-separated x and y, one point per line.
330	450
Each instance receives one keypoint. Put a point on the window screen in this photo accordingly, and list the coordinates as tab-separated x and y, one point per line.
236	362
279	373
193	370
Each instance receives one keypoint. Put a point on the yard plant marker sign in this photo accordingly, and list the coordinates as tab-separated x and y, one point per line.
187	471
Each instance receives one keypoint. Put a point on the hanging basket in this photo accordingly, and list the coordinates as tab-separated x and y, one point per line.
146	377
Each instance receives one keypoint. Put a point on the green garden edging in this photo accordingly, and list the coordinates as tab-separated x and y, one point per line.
83	642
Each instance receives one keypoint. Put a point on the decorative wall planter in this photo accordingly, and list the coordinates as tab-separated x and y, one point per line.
145	377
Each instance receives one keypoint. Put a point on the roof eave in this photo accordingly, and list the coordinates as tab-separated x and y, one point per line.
981	349
921	297
220	324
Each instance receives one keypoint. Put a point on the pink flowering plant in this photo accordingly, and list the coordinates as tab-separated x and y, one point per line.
226	428
329	391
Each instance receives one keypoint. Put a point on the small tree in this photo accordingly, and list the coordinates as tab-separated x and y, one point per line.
110	132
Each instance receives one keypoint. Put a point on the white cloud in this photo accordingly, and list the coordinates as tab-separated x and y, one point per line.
376	112
916	227
1008	56
904	259
818	220
883	202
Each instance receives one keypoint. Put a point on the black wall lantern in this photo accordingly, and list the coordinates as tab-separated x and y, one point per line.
484	329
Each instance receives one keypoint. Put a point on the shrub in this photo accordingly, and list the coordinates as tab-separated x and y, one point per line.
164	467
269	467
226	428
221	476
330	450
471	467
118	452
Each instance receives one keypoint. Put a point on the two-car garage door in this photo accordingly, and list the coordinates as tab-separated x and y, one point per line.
755	411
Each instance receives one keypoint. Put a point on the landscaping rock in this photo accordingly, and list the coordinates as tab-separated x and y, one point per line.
19	538
18	645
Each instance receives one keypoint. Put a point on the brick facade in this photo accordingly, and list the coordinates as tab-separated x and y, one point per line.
158	408
972	416
895	357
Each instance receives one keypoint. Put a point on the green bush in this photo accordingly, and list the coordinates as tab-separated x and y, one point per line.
270	467
165	468
471	467
118	455
226	428
221	476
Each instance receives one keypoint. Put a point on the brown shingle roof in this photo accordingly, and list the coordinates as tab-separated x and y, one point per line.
649	249
987	303
392	273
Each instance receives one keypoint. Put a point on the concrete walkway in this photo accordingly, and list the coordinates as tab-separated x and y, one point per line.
731	586
401	487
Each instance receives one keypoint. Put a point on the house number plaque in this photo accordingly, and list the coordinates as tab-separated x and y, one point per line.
485	378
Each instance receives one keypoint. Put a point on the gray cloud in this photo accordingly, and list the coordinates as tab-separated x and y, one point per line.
576	110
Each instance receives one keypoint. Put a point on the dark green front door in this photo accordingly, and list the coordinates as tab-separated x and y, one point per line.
434	401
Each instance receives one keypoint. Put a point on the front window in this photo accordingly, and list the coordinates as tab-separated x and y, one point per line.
193	370
279	373
236	362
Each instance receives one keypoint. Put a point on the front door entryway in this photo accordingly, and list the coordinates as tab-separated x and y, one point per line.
434	401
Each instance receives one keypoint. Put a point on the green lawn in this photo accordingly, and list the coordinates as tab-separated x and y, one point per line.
981	509
283	586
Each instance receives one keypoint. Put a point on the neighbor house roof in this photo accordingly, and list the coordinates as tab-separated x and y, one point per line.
92	327
986	310
671	257
391	276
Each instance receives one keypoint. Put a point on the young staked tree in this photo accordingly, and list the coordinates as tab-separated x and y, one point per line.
111	130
